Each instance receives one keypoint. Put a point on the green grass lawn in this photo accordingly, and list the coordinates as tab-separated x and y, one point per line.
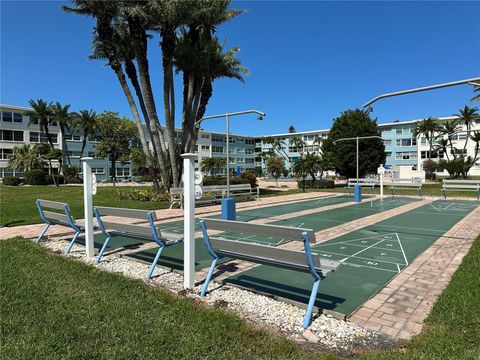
57	308
17	204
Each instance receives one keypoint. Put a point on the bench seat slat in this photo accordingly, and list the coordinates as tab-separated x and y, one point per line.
56	216
277	232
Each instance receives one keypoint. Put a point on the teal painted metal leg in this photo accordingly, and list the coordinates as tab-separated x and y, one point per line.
72	242
104	247
308	315
154	263
42	233
209	277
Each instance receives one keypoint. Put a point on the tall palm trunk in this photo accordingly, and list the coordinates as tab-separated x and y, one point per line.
133	107
84	142
168	47
139	42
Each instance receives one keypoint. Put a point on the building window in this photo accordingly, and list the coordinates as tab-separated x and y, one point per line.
250	161
5	154
12	135
294	149
72	137
218	138
205	136
248	151
17	117
7	116
240	160
206	147
36	137
217	149
98	171
424	155
459	151
250	141
387	142
409	155
460	136
122	172
406	142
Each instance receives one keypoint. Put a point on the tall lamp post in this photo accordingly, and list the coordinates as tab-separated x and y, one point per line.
227	116
357	138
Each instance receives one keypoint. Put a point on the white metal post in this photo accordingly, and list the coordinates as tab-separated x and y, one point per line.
228	155
189	221
88	206
357	159
381	186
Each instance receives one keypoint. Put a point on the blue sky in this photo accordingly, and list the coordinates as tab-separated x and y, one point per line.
308	60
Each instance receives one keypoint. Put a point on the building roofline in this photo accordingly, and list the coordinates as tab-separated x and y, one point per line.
15	107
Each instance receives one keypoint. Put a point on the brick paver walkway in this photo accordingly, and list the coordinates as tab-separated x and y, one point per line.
32	231
400	308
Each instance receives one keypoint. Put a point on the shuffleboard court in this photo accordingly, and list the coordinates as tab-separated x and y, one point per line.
370	258
176	227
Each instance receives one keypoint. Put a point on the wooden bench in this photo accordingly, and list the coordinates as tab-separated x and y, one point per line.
304	261
54	217
215	193
364	183
461	185
413	184
151	232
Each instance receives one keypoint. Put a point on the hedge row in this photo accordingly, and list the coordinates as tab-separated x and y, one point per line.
317	184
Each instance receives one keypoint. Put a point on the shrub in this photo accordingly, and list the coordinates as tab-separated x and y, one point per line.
143	194
73	180
35	177
60	179
250	177
146	178
317	184
72	172
11	181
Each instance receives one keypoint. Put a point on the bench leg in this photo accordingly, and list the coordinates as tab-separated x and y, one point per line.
154	263
102	250
308	315
42	233
72	242
209	277
444	194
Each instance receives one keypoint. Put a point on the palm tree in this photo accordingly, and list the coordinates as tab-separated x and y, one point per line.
86	122
442	144
468	116
450	129
25	158
124	55
429	128
64	119
475	137
41	113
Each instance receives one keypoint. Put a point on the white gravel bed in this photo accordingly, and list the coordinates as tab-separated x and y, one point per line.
262	310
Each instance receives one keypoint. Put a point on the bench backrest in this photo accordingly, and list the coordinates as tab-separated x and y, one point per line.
58	212
363	181
289	258
176	191
277	232
461	182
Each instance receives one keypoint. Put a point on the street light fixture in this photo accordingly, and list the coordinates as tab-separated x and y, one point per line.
357	138
227	115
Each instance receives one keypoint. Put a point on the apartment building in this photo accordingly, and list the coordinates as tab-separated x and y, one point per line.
401	146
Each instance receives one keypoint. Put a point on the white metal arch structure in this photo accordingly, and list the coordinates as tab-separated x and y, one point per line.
472	81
